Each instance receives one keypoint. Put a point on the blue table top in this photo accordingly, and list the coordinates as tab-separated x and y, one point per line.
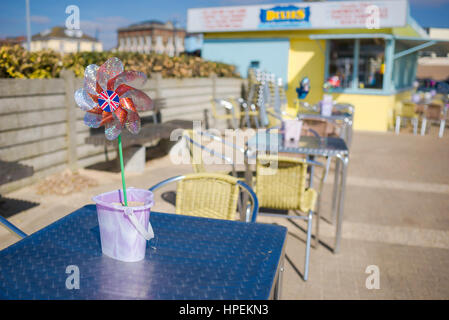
189	258
310	145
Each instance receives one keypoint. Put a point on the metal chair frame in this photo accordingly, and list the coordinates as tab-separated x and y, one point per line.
13	228
190	143
249	110
229	108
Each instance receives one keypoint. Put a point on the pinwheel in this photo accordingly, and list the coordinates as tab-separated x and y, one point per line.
110	99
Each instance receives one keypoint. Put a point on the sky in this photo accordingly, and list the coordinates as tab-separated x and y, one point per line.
102	18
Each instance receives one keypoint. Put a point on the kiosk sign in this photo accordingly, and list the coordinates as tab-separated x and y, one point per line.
314	15
289	16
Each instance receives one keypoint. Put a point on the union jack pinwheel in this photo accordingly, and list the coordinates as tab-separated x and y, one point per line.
109	98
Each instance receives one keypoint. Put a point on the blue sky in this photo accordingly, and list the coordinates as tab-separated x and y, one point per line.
105	16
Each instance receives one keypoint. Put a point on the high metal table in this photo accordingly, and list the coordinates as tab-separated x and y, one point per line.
189	258
265	141
343	118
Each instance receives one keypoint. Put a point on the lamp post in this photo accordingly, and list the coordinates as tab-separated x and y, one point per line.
27	4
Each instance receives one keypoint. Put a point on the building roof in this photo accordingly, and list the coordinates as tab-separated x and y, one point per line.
61	32
150	24
12	40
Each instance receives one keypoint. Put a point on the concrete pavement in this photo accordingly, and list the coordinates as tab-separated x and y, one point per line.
396	219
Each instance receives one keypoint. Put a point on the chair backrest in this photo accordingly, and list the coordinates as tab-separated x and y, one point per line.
195	150
322	127
193	140
434	111
280	181
210	195
409	109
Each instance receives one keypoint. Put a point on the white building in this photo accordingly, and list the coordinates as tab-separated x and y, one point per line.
152	36
63	41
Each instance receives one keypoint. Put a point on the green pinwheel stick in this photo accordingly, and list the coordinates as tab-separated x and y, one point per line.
122	168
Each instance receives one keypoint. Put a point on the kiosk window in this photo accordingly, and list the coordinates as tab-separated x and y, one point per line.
371	63
367	54
341	61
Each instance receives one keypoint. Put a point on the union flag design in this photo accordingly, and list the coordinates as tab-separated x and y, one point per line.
108	100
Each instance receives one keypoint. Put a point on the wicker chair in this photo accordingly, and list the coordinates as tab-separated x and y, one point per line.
408	112
281	183
211	195
434	112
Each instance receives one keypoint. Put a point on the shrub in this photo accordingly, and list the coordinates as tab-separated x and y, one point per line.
16	62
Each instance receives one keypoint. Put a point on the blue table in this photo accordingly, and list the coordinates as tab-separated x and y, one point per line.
189	258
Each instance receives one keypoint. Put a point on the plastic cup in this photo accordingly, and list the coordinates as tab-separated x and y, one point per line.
327	105
292	132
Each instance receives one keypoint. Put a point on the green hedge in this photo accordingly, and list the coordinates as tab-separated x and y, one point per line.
16	62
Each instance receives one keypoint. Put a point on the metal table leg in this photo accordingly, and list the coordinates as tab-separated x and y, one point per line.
335	191
345	131
247	121
442	125
344	159
423	126
311	157
349	141
248	179
278	285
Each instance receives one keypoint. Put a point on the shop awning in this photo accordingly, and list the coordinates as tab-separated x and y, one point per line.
412	44
350	36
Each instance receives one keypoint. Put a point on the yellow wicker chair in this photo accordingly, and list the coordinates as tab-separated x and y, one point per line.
281	183
408	111
210	195
434	112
